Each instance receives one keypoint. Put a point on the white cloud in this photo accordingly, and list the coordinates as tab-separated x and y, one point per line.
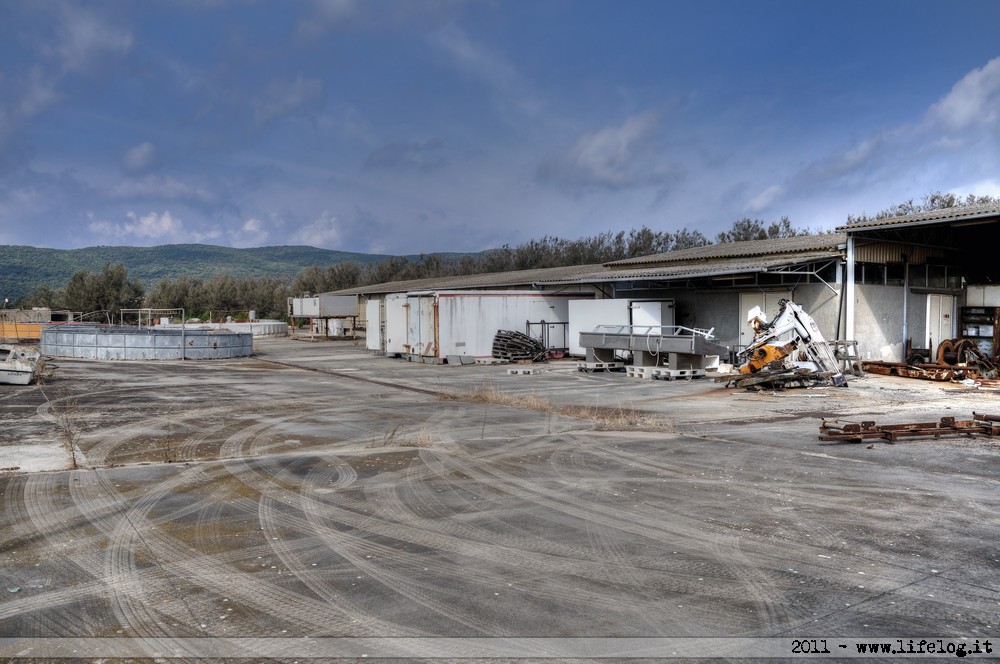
974	100
954	143
988	187
764	199
614	157
83	41
139	157
251	234
301	96
324	232
152	226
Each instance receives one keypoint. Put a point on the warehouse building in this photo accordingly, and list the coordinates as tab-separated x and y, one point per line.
895	286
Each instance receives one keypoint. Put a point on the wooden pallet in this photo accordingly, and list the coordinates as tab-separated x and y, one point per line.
512	346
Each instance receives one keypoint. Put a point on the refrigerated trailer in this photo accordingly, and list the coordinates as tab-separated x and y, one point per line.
438	325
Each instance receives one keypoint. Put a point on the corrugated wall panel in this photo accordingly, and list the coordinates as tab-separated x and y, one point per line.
892	252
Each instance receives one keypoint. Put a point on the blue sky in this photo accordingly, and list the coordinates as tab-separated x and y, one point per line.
442	125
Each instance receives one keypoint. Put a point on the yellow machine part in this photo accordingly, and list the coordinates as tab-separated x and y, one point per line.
763	356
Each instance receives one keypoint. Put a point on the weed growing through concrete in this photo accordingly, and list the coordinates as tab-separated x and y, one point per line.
43	371
606	418
67	420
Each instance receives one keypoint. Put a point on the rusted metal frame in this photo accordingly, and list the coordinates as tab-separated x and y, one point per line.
979	425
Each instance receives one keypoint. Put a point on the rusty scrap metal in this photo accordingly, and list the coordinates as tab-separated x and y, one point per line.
856	432
957	359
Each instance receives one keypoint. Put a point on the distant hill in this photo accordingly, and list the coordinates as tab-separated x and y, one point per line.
24	268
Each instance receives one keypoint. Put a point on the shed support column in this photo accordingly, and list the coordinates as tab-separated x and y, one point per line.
906	306
849	314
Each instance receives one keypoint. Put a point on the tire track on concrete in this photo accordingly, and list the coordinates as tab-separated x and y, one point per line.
359	520
353	617
207	572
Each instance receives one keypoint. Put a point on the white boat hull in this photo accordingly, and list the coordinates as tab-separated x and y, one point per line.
16	376
17	364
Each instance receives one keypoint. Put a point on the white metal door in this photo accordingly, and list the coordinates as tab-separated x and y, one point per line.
653	313
940	320
420	325
768	302
645	314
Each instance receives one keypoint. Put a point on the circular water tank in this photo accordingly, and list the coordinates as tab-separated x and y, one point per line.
109	342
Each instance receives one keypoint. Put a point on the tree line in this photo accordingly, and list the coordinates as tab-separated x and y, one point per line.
102	295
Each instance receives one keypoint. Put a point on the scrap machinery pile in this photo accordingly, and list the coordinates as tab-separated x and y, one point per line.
956	359
789	351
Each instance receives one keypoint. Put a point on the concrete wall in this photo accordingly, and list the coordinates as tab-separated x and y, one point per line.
121	343
878	316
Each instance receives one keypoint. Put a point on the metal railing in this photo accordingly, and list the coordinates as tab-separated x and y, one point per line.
655	330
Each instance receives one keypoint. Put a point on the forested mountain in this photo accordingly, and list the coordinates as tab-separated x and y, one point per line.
24	268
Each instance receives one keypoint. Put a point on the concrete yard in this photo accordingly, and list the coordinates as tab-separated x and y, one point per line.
316	491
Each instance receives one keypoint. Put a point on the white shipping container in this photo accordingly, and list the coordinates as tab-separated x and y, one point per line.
469	321
373	322
325	306
464	322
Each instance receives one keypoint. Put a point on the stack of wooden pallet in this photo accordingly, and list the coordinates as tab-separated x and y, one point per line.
515	346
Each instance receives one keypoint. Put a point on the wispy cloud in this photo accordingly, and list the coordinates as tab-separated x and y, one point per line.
909	159
326	14
39	92
419	155
164	188
486	65
152	226
300	96
973	102
615	157
324	231
251	234
83	41
764	199
139	158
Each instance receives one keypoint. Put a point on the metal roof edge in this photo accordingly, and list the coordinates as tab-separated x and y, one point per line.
913	220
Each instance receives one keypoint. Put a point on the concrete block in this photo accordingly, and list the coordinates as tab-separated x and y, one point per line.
642	373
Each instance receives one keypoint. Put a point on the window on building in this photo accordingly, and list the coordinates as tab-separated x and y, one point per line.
894	274
869	273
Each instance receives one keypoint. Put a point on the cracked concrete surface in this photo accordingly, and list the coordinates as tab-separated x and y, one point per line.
314	490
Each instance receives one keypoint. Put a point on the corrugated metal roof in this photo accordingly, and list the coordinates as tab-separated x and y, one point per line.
711	260
824	241
693	270
932	217
487	280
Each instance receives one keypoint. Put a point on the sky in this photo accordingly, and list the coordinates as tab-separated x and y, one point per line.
445	125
